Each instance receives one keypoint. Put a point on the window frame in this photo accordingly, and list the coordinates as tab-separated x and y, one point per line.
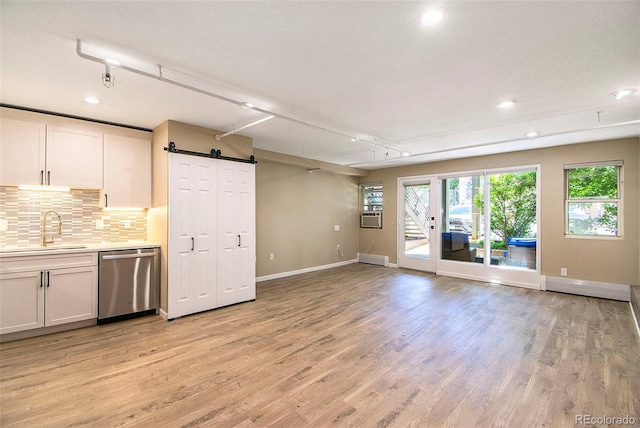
619	201
370	207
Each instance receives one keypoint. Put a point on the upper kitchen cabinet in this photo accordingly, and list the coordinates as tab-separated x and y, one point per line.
37	154
22	152
74	158
127	172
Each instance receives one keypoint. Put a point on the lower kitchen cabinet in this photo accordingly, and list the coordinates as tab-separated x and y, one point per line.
31	299
71	295
21	301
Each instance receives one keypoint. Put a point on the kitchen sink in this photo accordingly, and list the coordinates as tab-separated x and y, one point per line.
49	248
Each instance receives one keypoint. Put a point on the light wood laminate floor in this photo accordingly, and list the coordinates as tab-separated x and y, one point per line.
359	345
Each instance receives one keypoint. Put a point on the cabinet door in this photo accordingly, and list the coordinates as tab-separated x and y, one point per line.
74	158
71	295
127	172
191	269
21	301
236	232
22	152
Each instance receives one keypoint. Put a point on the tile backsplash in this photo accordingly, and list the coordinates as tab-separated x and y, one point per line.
83	221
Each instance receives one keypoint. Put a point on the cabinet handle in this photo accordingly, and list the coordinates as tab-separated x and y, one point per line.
48	177
106	203
41	177
192	243
48	279
41	278
239	241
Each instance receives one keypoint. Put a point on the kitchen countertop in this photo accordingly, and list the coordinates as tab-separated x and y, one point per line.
74	248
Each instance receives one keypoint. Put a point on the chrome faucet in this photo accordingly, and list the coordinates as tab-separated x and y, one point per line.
43	228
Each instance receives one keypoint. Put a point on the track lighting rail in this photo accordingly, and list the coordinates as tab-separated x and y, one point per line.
161	78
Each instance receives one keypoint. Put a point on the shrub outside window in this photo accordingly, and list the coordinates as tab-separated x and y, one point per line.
593	199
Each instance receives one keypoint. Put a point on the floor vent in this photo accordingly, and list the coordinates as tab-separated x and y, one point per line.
373	259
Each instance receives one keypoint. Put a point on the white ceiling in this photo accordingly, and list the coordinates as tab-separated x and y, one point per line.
354	68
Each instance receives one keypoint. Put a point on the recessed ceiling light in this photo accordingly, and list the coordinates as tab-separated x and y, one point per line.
247	106
623	93
506	104
92	100
532	134
433	17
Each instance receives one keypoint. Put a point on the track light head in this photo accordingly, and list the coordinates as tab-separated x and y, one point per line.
107	78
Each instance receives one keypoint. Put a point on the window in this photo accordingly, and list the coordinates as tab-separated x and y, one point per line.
371	197
593	199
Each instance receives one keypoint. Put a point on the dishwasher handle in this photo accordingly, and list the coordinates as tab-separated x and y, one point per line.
129	256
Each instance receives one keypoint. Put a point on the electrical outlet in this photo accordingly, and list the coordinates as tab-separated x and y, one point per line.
271	256
338	248
563	271
99	224
4	225
127	224
336	227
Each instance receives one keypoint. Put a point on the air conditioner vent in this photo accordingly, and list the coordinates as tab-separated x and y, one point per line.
371	219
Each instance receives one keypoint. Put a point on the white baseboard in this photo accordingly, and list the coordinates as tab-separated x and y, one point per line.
502	281
604	290
163	314
635	319
305	270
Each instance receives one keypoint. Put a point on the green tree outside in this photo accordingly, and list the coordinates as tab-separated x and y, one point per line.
513	204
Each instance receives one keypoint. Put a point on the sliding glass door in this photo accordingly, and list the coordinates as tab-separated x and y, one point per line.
489	226
500	206
462	232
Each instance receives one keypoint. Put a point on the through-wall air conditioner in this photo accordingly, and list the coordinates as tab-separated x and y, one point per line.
371	219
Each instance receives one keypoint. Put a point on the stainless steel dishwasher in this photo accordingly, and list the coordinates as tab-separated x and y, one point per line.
128	283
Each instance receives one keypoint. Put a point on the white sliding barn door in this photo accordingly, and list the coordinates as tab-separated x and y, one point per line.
204	216
192	214
236	232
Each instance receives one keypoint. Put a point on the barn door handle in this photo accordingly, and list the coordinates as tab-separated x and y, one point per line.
239	241
193	243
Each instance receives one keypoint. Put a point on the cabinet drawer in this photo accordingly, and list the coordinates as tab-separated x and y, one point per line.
50	261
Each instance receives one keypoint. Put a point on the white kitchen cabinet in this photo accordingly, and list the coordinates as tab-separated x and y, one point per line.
34	153
45	291
71	295
21	301
236	232
211	234
22	152
127	172
74	158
